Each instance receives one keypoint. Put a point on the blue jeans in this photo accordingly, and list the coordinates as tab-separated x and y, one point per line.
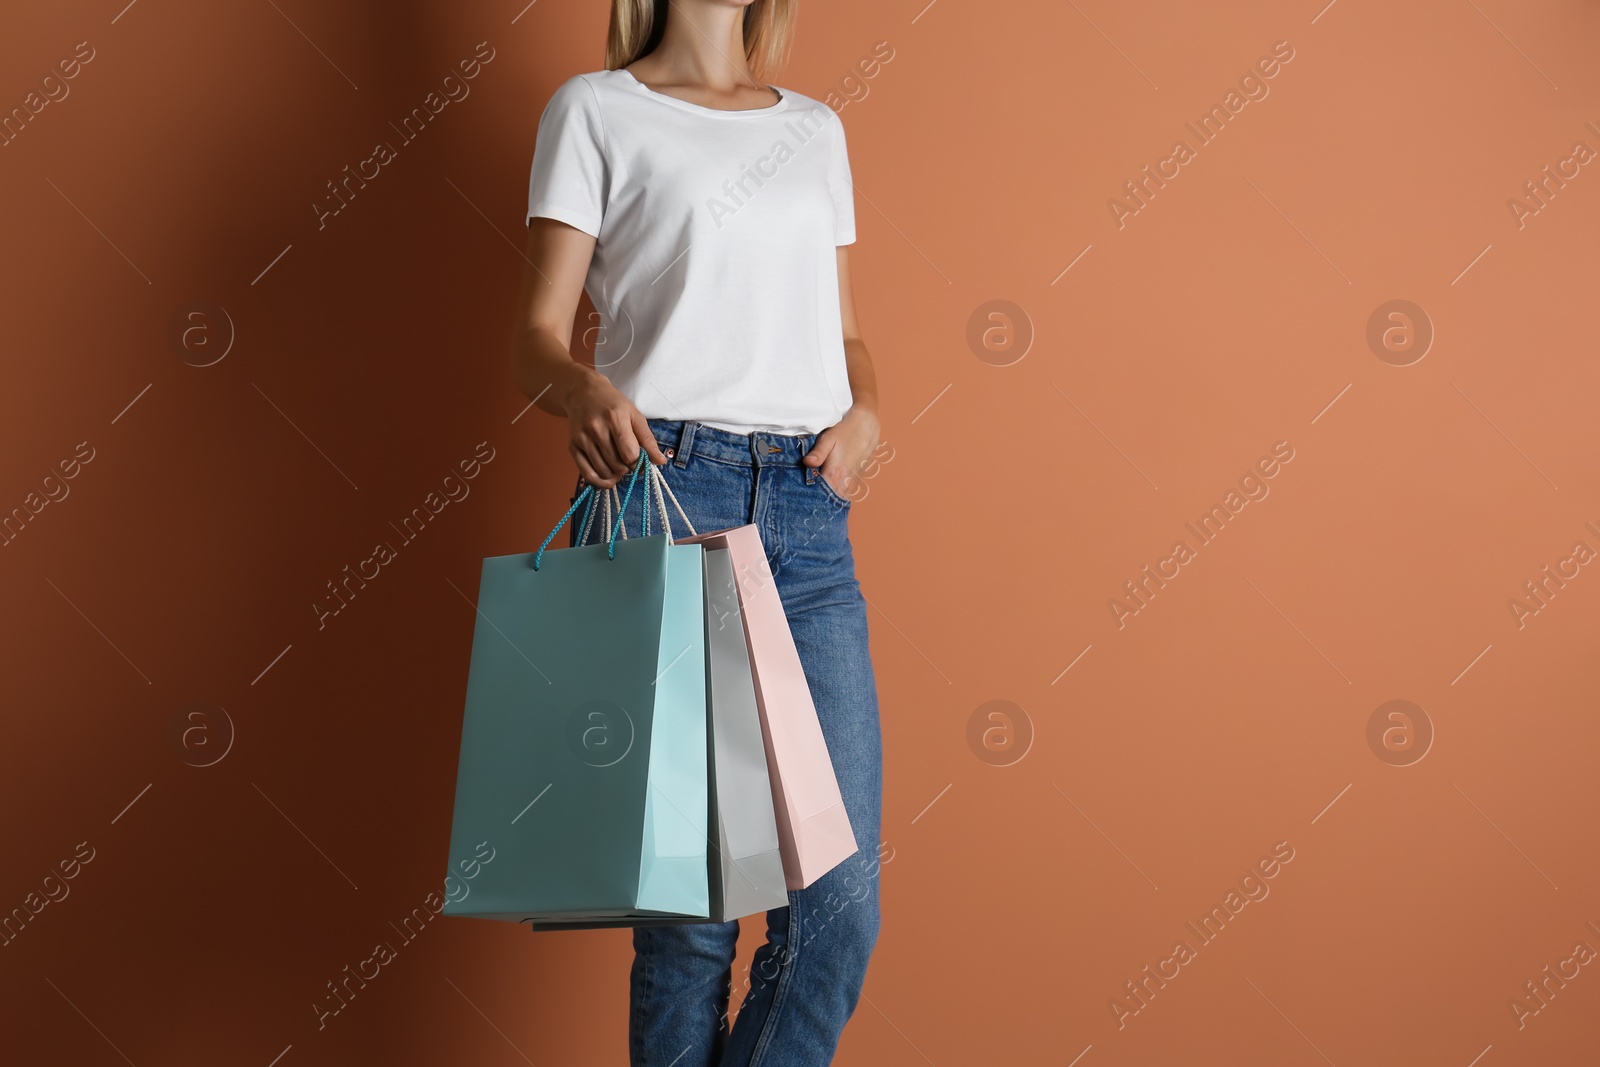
804	982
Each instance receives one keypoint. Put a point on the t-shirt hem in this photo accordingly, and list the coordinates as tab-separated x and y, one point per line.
747	428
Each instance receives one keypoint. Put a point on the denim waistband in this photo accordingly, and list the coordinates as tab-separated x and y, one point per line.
682	438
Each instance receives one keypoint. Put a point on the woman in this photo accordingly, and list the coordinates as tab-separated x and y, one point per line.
706	214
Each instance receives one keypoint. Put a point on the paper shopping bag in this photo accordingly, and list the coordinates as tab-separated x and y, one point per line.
753	878
814	831
583	761
745	868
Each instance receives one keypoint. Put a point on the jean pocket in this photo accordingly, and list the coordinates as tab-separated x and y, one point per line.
832	493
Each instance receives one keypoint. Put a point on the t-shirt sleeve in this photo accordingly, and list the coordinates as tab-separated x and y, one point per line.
569	175
844	197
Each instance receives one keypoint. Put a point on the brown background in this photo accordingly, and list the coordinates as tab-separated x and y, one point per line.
1228	715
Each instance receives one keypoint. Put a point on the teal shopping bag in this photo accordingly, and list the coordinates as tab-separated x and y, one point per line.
583	764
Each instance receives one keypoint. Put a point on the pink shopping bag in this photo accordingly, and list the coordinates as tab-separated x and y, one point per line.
814	833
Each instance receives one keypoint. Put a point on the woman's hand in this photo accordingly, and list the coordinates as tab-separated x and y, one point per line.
843	449
606	431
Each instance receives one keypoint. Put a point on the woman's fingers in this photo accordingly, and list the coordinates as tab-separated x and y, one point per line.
647	439
589	464
622	439
606	444
602	443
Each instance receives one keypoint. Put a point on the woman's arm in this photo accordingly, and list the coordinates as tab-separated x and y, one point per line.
606	431
844	448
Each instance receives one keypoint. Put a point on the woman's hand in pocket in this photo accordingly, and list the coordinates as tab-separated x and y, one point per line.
843	450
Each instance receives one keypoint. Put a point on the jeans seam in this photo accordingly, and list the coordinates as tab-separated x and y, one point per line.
648	982
780	991
833	494
683	447
724	462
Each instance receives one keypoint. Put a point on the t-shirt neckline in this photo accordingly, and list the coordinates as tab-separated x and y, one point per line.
700	109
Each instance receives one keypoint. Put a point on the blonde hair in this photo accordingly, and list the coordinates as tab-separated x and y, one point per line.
637	26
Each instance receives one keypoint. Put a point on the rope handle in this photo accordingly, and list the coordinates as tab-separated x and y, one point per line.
644	510
587	495
662	492
662	486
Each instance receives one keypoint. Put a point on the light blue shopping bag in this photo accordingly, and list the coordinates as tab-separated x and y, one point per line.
583	765
745	861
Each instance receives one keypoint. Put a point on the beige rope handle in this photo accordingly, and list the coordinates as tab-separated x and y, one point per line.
588	522
660	482
622	527
653	487
661	492
605	496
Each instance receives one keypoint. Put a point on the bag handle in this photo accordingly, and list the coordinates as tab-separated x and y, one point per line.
661	486
588	490
663	490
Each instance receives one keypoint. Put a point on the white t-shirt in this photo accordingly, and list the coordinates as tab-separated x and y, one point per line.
714	272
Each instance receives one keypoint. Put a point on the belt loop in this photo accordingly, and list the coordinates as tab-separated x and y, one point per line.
685	445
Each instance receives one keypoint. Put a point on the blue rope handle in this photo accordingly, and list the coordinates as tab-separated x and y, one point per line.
644	506
588	495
